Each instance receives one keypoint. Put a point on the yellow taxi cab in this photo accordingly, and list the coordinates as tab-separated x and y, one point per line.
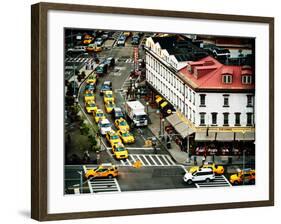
246	176
219	170
93	48
98	115
89	96
119	151
87	39
108	96
126	136
122	124
92	79
104	170
127	34
113	138
109	105
91	106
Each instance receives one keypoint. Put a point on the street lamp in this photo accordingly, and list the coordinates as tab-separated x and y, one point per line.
147	104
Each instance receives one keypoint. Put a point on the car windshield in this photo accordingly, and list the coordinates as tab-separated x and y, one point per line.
108	95
99	114
106	125
106	87
114	137
126	134
110	104
92	105
123	123
120	149
141	117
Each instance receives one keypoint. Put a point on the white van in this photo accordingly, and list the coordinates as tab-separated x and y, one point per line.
203	174
104	126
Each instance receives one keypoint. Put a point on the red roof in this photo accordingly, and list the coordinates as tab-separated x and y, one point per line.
211	78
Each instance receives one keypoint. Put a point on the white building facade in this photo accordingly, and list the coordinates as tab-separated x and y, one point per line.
229	108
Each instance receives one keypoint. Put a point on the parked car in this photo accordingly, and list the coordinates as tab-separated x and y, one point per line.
135	40
108	96
105	170
201	175
109	105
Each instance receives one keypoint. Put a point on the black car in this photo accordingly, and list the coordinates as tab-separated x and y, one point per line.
110	61
117	113
107	85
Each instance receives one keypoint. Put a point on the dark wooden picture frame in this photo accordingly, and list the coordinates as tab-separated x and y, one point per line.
39	119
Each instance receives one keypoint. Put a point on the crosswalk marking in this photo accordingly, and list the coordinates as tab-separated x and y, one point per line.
76	191
101	185
219	181
150	156
146	160
158	158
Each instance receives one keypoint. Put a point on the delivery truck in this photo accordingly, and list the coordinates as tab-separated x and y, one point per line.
135	112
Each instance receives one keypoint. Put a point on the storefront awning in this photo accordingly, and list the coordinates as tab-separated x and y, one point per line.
225	136
247	136
202	136
183	129
173	119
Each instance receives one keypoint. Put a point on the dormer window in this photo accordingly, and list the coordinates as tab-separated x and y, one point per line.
246	79
227	79
227	75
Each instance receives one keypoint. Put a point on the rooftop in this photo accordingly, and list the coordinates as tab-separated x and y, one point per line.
181	47
207	72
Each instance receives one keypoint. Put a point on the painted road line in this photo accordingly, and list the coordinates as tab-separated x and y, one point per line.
138	148
85	169
227	181
129	162
117	184
159	160
143	164
123	163
150	156
149	164
171	161
90	187
164	158
134	160
197	185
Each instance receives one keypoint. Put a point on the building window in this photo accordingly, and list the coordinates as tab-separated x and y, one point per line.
225	100
202	100
189	95
225	119
249	100
194	117
237	119
227	79
202	119
249	119
193	98
214	118
246	79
